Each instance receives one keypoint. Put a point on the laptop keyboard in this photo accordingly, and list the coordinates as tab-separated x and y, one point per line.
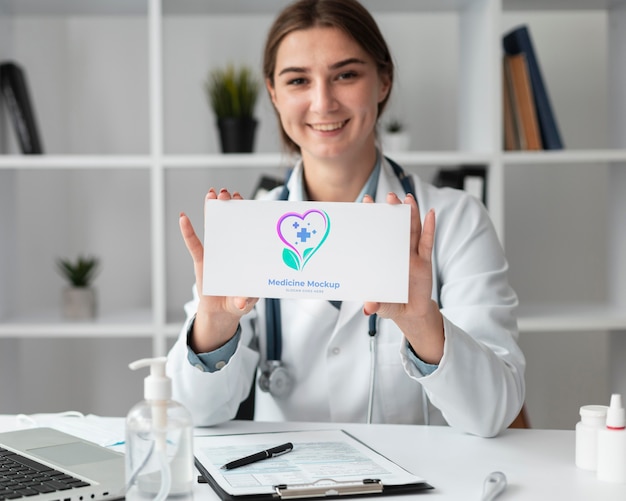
22	477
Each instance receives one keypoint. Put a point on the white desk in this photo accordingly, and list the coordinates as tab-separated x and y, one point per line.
539	464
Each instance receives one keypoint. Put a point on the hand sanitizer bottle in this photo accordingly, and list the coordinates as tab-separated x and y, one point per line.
159	439
612	444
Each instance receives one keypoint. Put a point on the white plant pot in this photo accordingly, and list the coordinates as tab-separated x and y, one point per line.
79	303
397	141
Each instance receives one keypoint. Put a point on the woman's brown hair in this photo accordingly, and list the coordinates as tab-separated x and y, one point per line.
347	15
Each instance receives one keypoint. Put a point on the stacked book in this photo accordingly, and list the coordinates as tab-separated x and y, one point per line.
529	122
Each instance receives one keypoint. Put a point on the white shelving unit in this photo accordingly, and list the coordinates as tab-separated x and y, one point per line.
130	142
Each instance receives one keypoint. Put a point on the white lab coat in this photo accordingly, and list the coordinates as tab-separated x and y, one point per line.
478	386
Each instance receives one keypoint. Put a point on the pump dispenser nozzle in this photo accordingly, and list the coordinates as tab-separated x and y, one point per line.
157	386
157	390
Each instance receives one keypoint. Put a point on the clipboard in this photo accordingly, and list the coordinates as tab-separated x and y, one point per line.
357	469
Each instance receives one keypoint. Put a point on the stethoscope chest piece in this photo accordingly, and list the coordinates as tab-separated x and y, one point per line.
275	379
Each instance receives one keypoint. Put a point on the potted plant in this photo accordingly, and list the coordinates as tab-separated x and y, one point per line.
232	94
79	296
395	138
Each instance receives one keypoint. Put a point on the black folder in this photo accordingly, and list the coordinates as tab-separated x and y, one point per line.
14	90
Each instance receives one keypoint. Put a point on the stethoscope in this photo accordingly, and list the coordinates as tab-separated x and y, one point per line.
275	378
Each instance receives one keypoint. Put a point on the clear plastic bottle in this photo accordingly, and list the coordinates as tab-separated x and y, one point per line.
159	439
612	444
592	419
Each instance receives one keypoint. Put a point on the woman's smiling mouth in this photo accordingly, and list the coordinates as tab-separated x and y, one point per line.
329	127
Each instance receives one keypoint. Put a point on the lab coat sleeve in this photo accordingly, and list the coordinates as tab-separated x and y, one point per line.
479	384
212	397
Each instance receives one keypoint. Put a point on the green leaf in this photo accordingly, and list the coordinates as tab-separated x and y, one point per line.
81	272
232	92
290	258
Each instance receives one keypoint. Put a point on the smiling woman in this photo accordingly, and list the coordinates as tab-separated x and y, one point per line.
326	89
329	74
447	356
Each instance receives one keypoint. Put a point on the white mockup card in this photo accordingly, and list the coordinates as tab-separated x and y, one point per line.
320	250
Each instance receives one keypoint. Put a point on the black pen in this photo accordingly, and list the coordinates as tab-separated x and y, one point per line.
259	456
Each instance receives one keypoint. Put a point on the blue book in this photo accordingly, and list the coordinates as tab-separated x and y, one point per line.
516	41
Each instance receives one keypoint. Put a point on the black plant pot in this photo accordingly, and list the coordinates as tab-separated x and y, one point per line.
237	134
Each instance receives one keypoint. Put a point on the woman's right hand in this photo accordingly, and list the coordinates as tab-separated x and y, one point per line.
217	317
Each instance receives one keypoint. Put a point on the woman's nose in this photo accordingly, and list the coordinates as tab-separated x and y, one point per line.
323	99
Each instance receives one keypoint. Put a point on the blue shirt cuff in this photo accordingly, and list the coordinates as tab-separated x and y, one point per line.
423	367
214	360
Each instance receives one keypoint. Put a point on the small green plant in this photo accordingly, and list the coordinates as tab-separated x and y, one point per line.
79	273
232	92
394	126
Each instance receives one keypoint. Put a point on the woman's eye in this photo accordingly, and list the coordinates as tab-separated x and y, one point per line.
346	75
296	81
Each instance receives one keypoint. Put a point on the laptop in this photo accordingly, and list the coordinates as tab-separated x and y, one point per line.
44	464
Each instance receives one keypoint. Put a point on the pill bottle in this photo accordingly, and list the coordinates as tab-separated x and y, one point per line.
592	419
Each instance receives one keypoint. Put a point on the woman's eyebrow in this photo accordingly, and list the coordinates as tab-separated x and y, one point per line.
346	62
292	69
334	66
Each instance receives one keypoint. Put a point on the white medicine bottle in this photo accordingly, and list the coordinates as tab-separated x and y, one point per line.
612	444
159	440
592	420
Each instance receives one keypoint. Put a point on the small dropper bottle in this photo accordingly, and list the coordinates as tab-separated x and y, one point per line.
159	439
612	444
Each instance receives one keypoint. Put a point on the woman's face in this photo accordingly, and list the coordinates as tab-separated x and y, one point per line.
326	91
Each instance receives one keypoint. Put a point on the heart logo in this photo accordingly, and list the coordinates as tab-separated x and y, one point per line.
303	234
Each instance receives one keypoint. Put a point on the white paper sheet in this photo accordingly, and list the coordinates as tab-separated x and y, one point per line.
315	250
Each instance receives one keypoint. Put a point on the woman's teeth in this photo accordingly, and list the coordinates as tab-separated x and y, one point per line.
328	127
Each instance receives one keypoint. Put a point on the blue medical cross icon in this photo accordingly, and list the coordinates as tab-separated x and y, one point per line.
303	235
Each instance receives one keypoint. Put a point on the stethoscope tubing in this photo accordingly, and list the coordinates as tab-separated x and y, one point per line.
373	355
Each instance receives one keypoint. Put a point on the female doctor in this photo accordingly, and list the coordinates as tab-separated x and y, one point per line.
448	356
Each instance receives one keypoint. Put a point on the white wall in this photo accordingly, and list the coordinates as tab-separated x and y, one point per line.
85	375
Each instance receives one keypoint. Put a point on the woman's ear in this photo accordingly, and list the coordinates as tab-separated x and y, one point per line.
385	86
271	91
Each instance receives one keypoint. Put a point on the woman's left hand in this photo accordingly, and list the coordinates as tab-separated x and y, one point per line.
420	319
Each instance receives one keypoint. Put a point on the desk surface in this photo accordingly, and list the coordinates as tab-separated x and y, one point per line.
539	464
